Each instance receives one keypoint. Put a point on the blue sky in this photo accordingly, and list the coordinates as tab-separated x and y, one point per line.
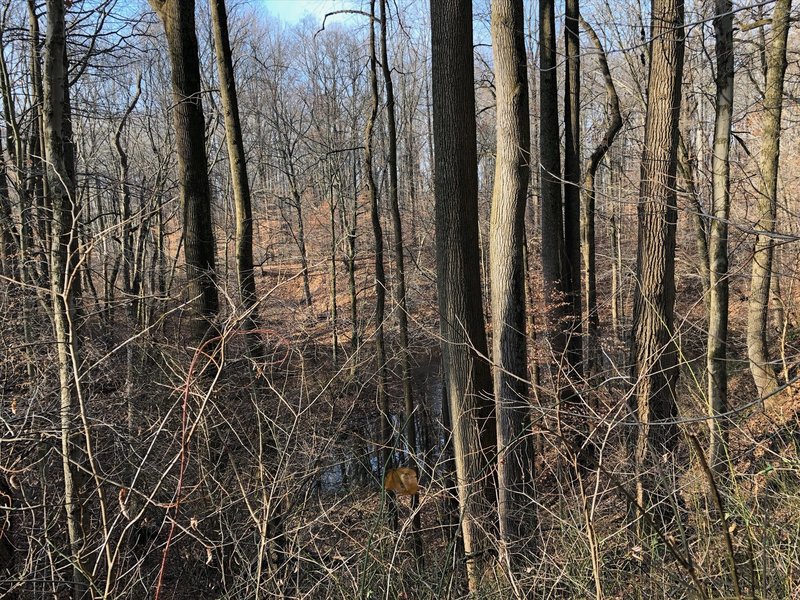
292	11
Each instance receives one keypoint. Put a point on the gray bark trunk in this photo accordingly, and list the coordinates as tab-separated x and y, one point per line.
716	360
465	374
757	310
515	460
654	353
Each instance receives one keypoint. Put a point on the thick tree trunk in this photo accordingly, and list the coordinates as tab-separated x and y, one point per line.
179	26
466	375
654	351
716	362
552	247
757	310
239	181
515	460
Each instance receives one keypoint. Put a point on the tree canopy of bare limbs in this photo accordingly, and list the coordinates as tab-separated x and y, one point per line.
399	299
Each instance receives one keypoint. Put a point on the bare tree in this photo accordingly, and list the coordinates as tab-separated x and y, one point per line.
377	232
507	275
63	278
238	167
588	245
763	373
465	373
653	346
717	357
177	17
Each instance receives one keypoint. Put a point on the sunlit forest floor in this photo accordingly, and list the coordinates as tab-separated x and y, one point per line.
227	477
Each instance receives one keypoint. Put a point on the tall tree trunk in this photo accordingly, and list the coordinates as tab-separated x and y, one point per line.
572	180
239	181
377	232
515	448
757	310
179	26
41	186
552	247
349	224
716	362
63	277
613	126
557	273
397	227
654	350
400	269
466	375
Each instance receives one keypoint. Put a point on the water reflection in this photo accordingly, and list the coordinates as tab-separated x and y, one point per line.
355	462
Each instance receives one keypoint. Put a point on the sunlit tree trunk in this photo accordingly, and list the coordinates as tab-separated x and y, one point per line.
757	310
654	349
718	237
238	166
515	460
465	374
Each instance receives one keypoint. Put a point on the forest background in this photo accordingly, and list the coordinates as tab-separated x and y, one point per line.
468	298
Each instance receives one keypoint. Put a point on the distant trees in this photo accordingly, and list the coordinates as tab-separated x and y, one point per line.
257	162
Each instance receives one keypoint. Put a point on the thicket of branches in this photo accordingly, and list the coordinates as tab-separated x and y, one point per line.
503	244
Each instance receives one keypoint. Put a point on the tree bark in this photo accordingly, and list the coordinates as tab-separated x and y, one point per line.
377	232
179	26
572	181
716	360
239	180
757	310
515	460
63	277
397	227
654	351
552	247
466	375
